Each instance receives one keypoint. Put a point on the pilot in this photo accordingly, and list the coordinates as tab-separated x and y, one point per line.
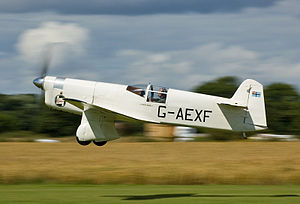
162	95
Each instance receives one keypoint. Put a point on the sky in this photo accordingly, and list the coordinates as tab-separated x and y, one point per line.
174	43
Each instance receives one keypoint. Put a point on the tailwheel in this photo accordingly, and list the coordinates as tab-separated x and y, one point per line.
100	143
83	142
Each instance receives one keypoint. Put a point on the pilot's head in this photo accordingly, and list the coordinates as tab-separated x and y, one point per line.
162	92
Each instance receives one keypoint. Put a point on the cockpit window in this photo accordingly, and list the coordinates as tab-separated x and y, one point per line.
139	89
157	94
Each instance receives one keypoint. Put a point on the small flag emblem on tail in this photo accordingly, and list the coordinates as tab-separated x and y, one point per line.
256	94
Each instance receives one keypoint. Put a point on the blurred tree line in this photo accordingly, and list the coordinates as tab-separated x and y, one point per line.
27	112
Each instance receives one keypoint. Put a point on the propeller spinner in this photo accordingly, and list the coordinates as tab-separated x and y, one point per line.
39	82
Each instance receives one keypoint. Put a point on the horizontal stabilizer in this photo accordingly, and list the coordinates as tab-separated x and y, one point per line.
233	104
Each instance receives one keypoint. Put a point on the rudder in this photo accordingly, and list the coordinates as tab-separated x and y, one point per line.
250	95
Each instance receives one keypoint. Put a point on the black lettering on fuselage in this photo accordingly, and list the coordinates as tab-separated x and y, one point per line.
198	114
159	114
184	114
206	116
187	114
179	114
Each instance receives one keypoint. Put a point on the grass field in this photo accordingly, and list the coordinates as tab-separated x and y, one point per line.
81	193
151	163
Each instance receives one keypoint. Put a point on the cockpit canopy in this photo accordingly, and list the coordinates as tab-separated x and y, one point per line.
155	94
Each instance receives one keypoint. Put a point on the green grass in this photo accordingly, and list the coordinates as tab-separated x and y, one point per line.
71	193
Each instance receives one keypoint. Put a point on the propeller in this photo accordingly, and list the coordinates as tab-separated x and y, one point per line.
46	63
39	82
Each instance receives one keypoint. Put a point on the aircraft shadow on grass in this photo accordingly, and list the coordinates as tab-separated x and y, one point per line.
161	196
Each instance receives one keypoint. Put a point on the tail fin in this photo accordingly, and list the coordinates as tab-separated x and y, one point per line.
250	95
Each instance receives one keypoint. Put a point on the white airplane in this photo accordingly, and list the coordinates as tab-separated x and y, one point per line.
101	104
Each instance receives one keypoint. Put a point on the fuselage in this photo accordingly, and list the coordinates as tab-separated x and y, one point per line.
139	103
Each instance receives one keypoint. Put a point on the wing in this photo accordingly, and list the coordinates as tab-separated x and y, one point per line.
107	112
